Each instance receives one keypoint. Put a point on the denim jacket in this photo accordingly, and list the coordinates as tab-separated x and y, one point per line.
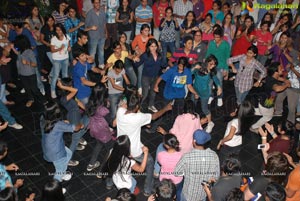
53	144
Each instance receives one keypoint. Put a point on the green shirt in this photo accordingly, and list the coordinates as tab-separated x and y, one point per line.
221	52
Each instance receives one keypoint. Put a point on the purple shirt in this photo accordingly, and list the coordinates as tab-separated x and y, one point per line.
278	56
198	8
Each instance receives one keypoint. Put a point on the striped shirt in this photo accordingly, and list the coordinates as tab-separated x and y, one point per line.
59	19
181	8
192	56
143	13
196	166
244	76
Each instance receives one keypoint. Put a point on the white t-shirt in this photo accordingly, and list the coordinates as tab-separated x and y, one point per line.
63	54
122	178
130	124
236	139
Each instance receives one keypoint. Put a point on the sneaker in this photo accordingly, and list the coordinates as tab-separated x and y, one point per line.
108	187
53	95
140	91
101	66
73	163
64	190
90	167
80	147
7	93
277	115
220	102
209	127
43	79
67	176
22	91
152	108
16	126
43	92
82	142
210	100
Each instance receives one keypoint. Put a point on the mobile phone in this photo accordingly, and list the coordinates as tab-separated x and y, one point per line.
261	146
173	101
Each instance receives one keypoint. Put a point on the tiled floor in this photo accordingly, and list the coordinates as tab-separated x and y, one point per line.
25	150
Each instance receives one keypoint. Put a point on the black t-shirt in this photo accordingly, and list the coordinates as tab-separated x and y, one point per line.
76	46
269	93
258	186
224	185
48	34
124	15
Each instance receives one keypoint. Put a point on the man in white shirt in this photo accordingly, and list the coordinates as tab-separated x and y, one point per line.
129	122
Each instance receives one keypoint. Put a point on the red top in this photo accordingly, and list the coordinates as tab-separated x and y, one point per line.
241	45
79	6
279	144
261	39
207	6
159	12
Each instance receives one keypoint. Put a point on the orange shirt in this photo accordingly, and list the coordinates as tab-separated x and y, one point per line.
294	184
138	42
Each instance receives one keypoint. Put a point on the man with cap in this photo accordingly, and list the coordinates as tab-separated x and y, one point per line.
200	164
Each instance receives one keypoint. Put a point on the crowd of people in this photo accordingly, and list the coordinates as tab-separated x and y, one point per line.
108	62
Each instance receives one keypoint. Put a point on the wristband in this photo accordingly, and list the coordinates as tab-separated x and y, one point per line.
272	134
263	138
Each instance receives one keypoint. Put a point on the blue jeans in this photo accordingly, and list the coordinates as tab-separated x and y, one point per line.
179	190
2	93
77	135
40	84
58	65
133	185
148	185
165	46
140	72
85	100
95	44
159	149
114	99
5	114
240	97
131	74
61	165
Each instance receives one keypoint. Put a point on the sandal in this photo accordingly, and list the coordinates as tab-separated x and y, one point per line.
29	103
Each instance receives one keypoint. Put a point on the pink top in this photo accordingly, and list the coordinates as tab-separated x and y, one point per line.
168	162
184	128
209	37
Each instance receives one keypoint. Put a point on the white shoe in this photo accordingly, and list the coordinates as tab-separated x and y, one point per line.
43	92
220	102
53	95
140	91
152	108
209	127
67	176
210	100
22	91
101	66
64	190
82	142
16	126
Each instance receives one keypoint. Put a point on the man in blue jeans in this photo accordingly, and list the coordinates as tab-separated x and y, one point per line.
129	122
95	25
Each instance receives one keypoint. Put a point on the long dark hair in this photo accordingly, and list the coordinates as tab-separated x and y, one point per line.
189	108
271	17
185	23
61	26
52	114
224	20
39	16
172	141
149	43
251	28
67	81
97	98
203	70
245	117
46	21
119	156
53	191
